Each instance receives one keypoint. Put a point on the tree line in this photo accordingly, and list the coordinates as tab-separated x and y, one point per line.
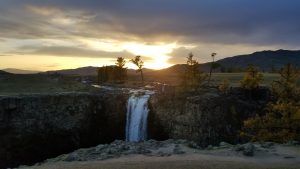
118	72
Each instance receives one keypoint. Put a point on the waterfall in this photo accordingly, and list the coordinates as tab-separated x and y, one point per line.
137	115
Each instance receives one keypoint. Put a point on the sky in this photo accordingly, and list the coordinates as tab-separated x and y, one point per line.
60	34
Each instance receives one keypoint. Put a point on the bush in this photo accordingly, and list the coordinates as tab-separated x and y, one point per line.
252	78
281	123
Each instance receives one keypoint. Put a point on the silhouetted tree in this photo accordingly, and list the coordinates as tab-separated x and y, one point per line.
193	78
102	75
140	64
213	55
121	71
108	74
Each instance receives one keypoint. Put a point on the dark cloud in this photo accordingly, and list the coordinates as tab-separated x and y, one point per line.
253	22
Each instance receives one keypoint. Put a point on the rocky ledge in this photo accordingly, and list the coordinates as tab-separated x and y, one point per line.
153	148
206	118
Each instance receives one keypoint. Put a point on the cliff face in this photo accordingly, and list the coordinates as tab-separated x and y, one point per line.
208	118
36	127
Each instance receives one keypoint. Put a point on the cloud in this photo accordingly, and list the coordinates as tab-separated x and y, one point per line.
228	27
191	21
68	51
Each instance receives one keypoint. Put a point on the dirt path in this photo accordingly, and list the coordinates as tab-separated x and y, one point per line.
226	157
187	161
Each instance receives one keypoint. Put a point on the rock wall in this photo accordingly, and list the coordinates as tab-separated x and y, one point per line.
206	118
36	127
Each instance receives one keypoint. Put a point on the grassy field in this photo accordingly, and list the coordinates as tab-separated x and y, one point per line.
235	78
217	78
41	83
37	83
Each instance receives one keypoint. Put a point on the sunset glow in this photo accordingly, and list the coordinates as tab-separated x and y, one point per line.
95	33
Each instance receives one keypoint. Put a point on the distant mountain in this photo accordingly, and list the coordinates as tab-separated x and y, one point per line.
82	71
264	60
20	71
3	72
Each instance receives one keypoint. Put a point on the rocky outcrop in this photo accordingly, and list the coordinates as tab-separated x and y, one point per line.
36	127
206	118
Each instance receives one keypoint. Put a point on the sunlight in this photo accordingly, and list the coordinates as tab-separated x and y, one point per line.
158	54
107	45
155	56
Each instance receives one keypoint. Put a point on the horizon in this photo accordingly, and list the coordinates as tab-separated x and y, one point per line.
134	68
55	35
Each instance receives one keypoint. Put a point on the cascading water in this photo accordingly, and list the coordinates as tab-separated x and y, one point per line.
137	115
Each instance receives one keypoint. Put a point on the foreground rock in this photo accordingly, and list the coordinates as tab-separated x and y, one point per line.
266	153
36	127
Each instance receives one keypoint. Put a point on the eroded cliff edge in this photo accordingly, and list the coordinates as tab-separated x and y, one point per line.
36	127
207	118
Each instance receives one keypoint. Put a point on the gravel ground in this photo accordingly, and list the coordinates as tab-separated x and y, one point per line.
177	154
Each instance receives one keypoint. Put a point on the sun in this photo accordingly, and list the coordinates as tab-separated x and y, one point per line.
155	56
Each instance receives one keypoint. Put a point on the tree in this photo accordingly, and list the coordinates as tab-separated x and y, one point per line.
281	123
140	64
121	62
224	86
212	66
121	71
285	87
193	78
252	78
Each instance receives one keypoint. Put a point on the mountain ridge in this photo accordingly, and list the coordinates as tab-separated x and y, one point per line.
266	60
19	71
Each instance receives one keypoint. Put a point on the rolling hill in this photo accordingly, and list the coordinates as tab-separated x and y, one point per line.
20	71
3	72
264	60
82	71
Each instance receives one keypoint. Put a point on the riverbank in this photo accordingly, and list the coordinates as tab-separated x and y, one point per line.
178	154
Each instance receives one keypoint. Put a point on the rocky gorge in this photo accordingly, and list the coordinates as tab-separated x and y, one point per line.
207	118
37	127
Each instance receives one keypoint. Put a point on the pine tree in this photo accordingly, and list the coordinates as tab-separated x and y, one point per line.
281	123
121	71
193	78
252	78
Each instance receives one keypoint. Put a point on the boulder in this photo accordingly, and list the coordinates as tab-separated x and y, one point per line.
249	149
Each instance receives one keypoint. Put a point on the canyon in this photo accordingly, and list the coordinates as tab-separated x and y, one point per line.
41	126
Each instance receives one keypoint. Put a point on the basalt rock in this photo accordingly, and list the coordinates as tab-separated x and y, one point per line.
36	127
207	118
